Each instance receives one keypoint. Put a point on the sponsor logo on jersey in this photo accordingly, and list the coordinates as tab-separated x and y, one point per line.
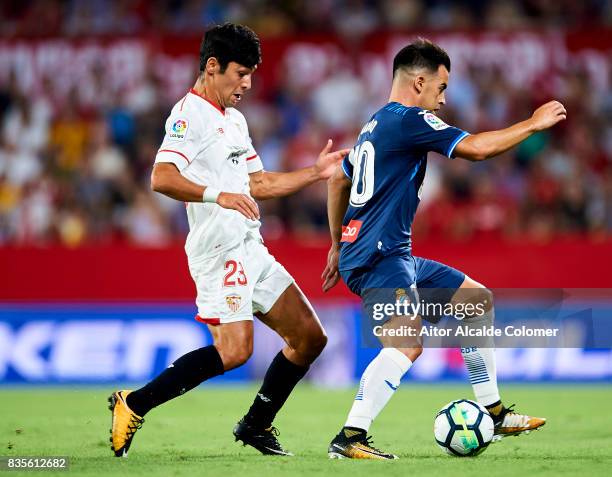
233	302
236	153
350	231
434	121
178	129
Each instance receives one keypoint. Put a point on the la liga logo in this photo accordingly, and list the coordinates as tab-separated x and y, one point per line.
179	126
434	121
178	129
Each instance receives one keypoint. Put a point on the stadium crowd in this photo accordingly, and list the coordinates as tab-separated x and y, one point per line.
77	171
269	17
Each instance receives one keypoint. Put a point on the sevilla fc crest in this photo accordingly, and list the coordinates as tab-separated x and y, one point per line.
233	302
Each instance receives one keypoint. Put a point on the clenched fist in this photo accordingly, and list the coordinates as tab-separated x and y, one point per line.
548	115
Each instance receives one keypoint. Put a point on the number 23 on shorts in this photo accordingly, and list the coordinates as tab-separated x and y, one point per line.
235	274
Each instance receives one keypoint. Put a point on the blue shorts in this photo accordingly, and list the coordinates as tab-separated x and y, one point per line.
403	271
434	281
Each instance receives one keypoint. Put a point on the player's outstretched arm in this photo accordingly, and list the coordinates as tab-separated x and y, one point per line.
338	193
478	147
269	185
167	180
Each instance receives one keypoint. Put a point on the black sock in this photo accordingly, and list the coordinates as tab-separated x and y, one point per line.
495	410
279	381
184	374
349	431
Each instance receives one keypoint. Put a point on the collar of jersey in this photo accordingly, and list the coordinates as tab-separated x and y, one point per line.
402	105
212	103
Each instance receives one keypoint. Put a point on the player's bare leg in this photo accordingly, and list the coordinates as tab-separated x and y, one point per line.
234	342
481	365
295	321
233	345
378	384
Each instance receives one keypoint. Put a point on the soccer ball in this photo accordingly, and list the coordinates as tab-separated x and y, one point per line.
463	428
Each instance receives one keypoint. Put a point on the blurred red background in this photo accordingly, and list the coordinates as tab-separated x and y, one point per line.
85	88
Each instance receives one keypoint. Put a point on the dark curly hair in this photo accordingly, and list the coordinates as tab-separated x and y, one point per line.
230	42
421	53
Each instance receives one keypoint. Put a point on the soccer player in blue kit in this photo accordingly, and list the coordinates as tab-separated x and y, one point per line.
372	200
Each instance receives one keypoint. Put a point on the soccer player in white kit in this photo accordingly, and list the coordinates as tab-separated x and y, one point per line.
207	161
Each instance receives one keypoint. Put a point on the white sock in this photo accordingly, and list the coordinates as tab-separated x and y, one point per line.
378	383
480	363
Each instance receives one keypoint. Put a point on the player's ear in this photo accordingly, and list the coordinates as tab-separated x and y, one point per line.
212	65
419	83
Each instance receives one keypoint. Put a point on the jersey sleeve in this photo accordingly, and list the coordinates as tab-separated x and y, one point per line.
182	140
253	160
347	166
427	132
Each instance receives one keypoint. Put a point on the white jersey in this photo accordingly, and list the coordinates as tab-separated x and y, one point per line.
211	147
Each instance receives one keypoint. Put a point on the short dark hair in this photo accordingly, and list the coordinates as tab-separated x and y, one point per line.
421	53
230	42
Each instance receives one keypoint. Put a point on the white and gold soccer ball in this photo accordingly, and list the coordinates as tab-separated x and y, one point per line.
463	428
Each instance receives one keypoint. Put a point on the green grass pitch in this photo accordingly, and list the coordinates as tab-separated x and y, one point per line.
191	436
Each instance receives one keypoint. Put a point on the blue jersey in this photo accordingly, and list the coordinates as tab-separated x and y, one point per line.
387	167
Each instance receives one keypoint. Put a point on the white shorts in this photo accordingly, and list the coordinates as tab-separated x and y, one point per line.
237	283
